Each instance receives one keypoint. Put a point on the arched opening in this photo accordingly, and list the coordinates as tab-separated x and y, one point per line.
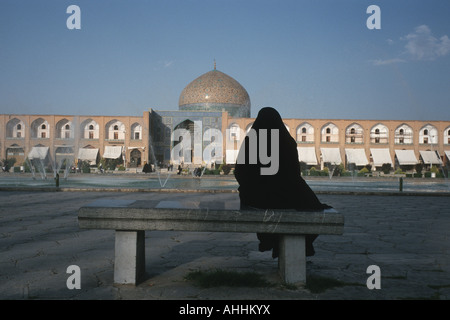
135	158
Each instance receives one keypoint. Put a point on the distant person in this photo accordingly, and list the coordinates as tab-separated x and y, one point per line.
147	168
198	172
179	169
285	189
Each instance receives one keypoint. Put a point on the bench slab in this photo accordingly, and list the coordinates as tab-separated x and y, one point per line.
131	218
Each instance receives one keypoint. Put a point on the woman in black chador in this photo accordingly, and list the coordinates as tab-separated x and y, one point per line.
285	189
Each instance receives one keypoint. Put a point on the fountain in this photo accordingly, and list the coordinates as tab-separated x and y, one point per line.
64	160
330	173
64	155
157	169
38	159
445	177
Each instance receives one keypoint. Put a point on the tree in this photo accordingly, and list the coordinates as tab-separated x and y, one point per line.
8	163
386	168
419	168
226	169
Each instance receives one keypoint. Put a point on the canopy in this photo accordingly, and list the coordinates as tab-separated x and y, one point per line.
381	156
307	155
89	155
331	155
112	152
430	157
447	154
356	156
406	157
38	153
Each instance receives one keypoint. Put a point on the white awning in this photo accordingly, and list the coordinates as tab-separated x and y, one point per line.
406	157
380	157
38	153
89	155
307	155
112	152
356	156
331	155
430	157
447	153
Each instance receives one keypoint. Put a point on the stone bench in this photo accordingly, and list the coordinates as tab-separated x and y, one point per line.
132	218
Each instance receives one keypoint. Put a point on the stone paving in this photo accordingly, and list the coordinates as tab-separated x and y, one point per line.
407	237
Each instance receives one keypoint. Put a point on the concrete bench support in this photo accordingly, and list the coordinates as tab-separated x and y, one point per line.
292	258
132	218
129	261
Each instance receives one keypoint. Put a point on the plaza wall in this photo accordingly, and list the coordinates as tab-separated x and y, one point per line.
56	131
416	136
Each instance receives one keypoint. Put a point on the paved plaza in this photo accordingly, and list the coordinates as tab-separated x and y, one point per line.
407	237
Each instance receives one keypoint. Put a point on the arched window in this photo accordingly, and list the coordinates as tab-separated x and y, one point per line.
403	134
115	130
330	133
40	129
234	132
379	134
305	133
428	135
354	134
90	129
15	128
63	129
136	131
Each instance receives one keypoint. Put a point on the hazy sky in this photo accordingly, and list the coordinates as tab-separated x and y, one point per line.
308	59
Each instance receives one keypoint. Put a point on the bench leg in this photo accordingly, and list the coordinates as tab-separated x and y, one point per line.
129	261
292	259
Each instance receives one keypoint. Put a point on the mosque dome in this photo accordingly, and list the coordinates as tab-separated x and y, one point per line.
216	91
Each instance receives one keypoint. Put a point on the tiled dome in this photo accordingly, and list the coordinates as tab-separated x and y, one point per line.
216	91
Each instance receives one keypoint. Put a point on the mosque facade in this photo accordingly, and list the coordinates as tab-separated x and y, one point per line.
215	102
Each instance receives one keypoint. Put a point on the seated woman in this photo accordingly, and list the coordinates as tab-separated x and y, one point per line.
285	189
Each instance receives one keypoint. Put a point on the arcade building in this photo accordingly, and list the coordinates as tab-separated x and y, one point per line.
215	100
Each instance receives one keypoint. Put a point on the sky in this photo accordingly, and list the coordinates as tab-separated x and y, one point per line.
308	59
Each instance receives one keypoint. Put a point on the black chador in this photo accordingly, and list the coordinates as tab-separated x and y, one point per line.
285	189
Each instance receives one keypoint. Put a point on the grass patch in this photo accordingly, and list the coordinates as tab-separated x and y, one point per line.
318	284
218	278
